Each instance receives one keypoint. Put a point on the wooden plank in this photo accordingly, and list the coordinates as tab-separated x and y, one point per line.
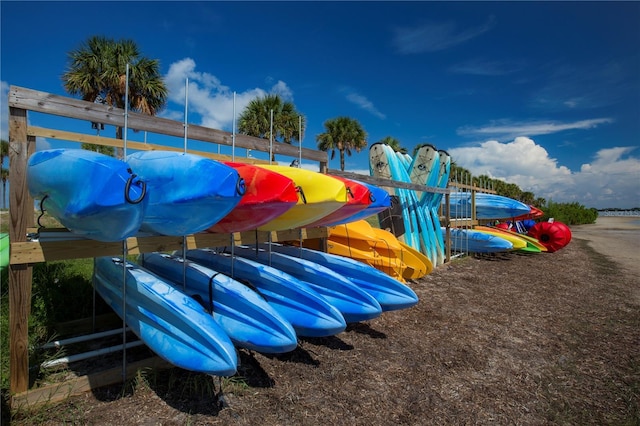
20	208
48	103
119	143
471	188
60	391
29	252
388	182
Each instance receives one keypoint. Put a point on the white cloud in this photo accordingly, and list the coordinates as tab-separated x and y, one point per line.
208	97
364	103
432	37
610	180
504	129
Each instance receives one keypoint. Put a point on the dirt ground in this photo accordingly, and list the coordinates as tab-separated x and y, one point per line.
552	338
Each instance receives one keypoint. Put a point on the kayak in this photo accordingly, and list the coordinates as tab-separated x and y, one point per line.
358	198
390	293
320	195
473	241
91	194
353	303
170	323
267	192
308	312
380	201
187	193
516	242
4	250
243	314
488	206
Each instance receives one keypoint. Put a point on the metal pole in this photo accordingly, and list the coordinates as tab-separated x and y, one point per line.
233	134
124	242
300	141
186	106
271	138
186	127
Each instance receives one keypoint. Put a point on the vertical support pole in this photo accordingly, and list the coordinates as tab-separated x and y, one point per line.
323	241
447	220
20	216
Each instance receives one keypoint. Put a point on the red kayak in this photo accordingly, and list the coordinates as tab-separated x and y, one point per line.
553	235
268	195
535	213
358	198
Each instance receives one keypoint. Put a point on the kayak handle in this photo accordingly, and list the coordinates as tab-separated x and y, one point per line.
350	192
241	187
127	188
211	291
300	190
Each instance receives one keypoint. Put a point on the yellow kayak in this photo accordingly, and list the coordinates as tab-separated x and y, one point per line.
319	196
518	243
360	250
387	245
533	241
415	265
424	259
410	263
358	230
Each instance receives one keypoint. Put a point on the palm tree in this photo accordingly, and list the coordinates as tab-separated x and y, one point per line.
393	143
4	173
255	120
343	134
97	72
459	174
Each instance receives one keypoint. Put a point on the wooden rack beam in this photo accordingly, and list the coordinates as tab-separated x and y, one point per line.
50	249
33	100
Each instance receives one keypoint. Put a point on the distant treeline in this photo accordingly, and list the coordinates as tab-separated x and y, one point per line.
615	209
567	213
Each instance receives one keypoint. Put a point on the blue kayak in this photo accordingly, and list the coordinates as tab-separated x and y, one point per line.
488	206
244	315
91	194
353	303
169	322
391	294
308	312
380	201
469	240
187	193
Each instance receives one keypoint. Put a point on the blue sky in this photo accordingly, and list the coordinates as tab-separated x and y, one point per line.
543	94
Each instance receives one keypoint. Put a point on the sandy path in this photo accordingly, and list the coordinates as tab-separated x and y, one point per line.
615	237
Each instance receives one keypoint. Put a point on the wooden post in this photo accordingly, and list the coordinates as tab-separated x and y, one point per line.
20	216
447	221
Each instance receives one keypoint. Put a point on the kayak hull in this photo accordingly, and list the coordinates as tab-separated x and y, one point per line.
309	313
187	193
91	194
168	321
267	192
245	316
